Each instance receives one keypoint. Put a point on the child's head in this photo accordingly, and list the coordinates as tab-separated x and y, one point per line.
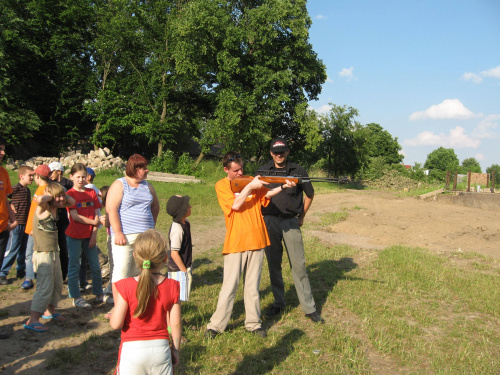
78	175
57	169
42	173
25	174
150	253
90	175
57	192
104	194
178	207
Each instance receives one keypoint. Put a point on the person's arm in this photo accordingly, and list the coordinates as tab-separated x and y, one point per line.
155	205
119	311
307	204
279	189
12	216
95	222
176	331
113	202
178	260
243	195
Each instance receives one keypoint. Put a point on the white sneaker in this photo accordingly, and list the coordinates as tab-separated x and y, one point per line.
80	303
108	299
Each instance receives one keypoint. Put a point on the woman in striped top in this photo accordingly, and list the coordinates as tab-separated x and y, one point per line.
132	207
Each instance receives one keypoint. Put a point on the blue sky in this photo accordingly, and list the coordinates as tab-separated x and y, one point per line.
427	71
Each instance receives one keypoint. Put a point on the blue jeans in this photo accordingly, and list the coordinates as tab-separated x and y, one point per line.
75	248
30	274
4	239
15	249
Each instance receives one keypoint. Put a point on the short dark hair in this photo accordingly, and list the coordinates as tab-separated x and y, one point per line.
231	156
135	162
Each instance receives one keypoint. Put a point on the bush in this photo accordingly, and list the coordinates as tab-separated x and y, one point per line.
185	164
165	163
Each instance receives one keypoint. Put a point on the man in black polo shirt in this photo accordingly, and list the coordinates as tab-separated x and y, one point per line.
283	217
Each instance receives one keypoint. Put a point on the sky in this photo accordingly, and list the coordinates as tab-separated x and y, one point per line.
427	71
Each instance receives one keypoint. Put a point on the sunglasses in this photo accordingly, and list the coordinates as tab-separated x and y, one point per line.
231	159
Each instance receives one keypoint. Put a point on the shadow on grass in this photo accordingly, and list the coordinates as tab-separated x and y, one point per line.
323	276
268	358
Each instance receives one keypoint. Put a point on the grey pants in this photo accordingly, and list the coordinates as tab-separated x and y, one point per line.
288	231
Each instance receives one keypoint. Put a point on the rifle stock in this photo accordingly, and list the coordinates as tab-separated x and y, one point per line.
238	184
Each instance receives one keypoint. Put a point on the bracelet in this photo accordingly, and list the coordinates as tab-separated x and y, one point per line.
282	188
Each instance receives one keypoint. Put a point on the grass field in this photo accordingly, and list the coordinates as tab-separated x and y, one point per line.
396	311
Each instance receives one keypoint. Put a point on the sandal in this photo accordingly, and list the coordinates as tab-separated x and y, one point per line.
37	327
55	316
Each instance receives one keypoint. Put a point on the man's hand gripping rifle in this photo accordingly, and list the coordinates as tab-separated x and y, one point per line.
276	177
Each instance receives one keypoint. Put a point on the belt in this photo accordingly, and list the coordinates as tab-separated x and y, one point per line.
286	216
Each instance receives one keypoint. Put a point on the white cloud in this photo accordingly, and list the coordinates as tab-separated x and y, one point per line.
472	77
479	157
324	109
320	17
448	109
455	139
347	73
329	80
486	127
495	72
478	78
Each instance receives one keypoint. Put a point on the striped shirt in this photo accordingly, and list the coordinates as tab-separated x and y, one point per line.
135	208
21	200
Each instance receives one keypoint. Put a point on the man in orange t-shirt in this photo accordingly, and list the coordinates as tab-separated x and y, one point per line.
246	237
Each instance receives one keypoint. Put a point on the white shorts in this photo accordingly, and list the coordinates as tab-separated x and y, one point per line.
151	357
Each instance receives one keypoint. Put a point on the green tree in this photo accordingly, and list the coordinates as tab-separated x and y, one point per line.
343	141
441	160
380	143
496	168
470	164
266	73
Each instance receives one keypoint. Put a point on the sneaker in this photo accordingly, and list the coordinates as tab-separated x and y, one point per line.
3	280
210	334
80	303
315	317
28	284
108	299
99	298
273	311
259	332
85	288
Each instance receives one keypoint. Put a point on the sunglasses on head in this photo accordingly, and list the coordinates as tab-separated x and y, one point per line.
231	159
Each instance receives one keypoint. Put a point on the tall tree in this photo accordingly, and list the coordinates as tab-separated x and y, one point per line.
441	160
46	67
496	168
266	72
343	142
380	143
470	164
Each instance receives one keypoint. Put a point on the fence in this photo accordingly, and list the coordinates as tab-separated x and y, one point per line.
478	179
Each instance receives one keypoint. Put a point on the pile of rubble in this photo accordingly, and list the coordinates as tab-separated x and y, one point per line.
393	180
98	160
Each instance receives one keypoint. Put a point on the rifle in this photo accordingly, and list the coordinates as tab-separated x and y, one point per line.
239	183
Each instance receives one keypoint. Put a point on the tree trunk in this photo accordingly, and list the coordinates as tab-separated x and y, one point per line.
160	148
198	160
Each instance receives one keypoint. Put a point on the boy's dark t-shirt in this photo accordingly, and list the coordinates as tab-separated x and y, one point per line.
21	200
180	240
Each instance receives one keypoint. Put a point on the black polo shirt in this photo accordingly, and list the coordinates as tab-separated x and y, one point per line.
289	201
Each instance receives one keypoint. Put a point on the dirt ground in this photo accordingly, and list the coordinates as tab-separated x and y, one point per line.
375	220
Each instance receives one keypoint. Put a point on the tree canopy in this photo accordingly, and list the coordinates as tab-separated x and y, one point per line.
441	160
470	164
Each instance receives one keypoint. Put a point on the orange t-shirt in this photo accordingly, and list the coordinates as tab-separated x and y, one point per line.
245	228
5	189
29	224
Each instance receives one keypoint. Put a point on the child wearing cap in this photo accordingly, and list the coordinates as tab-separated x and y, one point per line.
181	248
42	173
20	198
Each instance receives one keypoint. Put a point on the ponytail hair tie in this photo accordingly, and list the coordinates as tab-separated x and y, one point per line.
146	264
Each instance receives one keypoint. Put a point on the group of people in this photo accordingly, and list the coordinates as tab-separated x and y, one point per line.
146	302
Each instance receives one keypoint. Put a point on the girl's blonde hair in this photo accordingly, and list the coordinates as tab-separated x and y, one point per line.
150	252
55	190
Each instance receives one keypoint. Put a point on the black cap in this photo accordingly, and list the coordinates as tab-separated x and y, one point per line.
177	206
279	145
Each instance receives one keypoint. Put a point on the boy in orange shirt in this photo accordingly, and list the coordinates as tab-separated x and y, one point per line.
42	173
246	237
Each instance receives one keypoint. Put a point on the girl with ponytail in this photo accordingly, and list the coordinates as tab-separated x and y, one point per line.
145	306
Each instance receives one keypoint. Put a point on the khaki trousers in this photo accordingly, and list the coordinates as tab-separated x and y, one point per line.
49	283
248	263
